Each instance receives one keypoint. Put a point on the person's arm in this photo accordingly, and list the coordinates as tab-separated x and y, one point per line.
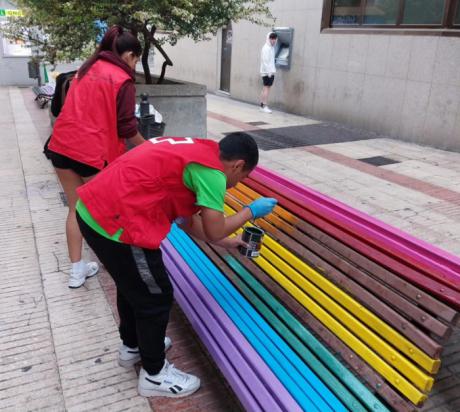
137	139
266	60
209	186
213	226
126	120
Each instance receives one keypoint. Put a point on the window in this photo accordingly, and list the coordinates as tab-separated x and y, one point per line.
404	14
423	12
381	12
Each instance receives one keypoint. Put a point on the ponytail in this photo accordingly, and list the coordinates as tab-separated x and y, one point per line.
109	41
115	40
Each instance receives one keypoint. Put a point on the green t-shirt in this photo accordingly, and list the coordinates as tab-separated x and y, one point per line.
209	186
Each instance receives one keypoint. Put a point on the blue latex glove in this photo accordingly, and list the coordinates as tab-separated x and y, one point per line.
262	206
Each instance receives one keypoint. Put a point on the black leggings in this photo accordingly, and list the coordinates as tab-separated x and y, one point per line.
144	294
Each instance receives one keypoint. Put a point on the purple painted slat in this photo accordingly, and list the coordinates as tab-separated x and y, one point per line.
438	263
246	372
235	381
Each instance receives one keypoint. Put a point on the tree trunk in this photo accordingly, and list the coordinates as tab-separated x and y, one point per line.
167	61
149	38
145	57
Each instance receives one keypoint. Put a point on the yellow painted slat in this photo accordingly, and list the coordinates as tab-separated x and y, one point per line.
382	328
393	357
392	376
360	311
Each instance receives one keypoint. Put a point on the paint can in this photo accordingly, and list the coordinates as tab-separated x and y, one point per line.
252	235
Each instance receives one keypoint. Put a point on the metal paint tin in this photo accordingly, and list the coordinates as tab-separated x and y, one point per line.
253	237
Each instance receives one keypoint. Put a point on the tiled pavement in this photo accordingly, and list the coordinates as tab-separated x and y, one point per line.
58	346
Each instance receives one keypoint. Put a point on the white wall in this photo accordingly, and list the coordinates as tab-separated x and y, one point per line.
403	86
13	70
197	61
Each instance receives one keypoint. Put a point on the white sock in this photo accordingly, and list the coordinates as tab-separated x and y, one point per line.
79	267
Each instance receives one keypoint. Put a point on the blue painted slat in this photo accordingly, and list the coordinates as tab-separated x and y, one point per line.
300	380
234	355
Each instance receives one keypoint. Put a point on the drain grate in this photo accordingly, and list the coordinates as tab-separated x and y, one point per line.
307	135
63	199
379	161
257	123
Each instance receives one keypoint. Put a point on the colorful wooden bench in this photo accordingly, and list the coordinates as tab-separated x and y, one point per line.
333	290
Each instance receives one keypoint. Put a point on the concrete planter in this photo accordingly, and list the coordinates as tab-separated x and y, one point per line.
182	104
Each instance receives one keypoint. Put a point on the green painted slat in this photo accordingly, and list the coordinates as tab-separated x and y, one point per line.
307	339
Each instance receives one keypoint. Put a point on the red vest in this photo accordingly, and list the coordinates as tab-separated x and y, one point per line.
143	191
86	128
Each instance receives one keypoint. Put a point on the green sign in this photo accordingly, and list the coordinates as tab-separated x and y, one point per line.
10	13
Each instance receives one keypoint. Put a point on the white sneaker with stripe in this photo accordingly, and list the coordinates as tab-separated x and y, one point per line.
169	382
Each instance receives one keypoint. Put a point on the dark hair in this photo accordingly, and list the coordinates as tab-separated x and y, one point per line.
115	40
238	145
272	36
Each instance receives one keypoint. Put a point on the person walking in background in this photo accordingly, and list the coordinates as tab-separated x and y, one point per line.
91	129
267	69
127	210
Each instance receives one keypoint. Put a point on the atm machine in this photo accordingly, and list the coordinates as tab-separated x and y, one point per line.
283	47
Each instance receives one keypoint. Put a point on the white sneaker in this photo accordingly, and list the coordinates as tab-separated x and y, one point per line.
77	279
128	357
265	109
169	382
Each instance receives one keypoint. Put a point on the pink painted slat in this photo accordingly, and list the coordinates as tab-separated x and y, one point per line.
433	261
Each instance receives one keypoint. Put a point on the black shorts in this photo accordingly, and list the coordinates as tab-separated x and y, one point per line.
268	80
60	161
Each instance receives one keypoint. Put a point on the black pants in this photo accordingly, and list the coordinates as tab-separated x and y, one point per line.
144	294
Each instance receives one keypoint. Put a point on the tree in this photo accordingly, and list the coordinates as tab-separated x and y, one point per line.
66	30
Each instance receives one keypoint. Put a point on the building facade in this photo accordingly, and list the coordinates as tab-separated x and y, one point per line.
13	55
390	66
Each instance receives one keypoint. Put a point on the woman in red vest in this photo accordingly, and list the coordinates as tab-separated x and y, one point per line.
92	129
127	210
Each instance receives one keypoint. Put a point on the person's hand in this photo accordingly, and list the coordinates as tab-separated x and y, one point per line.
262	206
231	242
